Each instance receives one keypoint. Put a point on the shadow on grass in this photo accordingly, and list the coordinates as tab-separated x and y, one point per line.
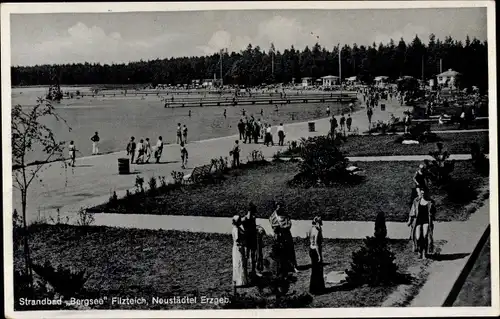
447	257
83	166
309	266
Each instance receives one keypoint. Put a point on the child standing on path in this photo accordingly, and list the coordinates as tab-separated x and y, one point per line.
140	152
184	156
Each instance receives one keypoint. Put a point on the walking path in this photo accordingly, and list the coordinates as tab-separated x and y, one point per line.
223	225
453	257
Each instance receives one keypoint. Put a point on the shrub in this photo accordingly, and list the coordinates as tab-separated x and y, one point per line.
374	264
479	160
256	156
139	184
163	182
440	168
178	177
323	163
85	217
421	133
220	165
58	220
113	200
64	281
152	185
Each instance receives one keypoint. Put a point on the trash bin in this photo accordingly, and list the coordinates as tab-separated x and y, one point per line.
123	166
312	126
382	107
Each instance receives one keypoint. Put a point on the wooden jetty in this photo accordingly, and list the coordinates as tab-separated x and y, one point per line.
261	100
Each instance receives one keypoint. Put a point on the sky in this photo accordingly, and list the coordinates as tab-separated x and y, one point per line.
122	37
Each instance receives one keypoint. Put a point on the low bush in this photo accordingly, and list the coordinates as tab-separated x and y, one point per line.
373	264
323	163
178	177
153	186
479	160
64	281
139	184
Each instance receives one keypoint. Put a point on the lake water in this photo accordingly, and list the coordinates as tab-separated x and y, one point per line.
118	118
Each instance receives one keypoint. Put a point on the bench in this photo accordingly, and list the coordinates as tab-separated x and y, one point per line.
198	173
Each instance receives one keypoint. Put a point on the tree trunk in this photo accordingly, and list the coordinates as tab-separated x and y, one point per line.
27	259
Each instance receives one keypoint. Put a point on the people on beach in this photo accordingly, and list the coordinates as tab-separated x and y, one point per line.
235	153
349	122
421	219
159	149
260	248
317	282
189	114
328	111
250	231
261	112
95	143
72	153
248	132
241	129
179	134
131	146
184	155
240	276
281	134
225	113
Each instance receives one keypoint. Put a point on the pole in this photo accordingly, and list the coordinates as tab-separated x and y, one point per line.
221	81
340	73
440	66
272	62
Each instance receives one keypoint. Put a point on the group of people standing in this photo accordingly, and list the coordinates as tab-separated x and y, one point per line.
422	215
344	123
252	130
144	150
248	247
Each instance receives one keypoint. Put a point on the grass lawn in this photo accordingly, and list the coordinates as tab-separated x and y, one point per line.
146	263
455	143
387	187
434	126
476	291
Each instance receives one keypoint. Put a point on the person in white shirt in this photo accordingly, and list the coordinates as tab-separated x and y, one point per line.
269	136
281	134
140	152
159	149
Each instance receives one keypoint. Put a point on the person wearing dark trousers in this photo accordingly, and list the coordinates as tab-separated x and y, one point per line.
131	149
281	135
349	122
235	153
241	129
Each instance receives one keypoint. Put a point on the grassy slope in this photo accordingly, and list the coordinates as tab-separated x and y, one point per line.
455	143
387	187
144	263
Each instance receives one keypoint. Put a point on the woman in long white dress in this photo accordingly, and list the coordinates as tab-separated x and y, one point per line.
240	276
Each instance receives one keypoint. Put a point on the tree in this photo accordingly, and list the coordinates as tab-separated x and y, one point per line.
28	135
